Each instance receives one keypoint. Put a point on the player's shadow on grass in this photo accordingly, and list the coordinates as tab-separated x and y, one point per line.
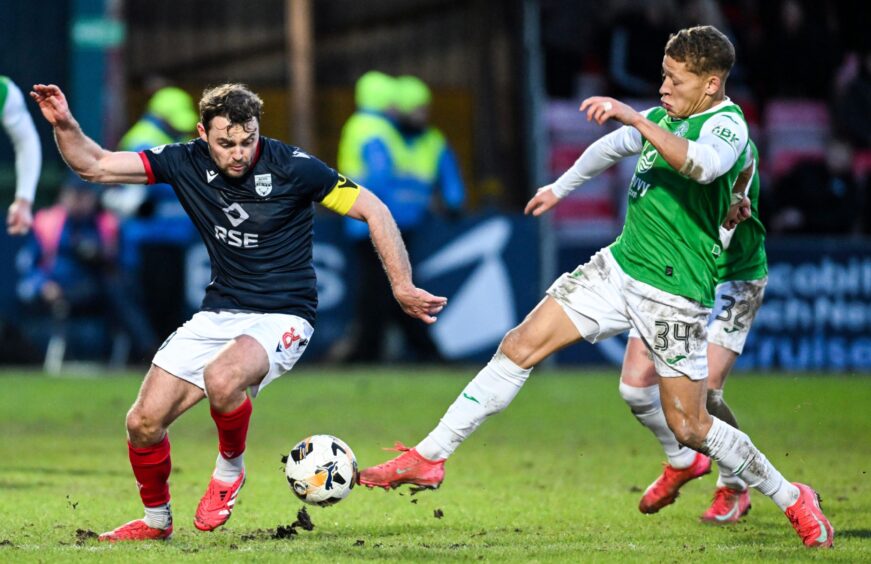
854	533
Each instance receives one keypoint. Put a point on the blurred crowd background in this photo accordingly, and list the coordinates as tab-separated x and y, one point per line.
499	83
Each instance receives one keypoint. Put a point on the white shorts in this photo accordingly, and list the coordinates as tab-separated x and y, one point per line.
186	352
603	301
738	302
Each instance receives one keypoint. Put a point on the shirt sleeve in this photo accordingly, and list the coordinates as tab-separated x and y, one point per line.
162	162
721	142
599	157
323	184
28	152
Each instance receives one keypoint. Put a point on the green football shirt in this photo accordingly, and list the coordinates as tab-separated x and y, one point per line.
744	258
671	237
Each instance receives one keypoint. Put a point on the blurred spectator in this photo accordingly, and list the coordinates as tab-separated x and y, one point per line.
636	47
390	147
69	266
817	197
28	155
852	107
369	143
155	230
367	153
428	167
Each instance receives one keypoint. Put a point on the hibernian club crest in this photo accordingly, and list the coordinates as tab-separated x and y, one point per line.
263	184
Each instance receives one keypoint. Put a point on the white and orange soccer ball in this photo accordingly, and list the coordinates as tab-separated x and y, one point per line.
321	470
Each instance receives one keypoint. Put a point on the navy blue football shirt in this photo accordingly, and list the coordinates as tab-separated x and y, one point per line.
258	229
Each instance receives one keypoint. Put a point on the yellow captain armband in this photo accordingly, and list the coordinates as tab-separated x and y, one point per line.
342	196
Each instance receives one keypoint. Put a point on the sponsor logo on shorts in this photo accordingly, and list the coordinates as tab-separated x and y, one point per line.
289	338
675	359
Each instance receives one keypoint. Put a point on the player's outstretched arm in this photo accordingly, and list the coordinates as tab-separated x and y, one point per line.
672	148
81	153
19	126
391	250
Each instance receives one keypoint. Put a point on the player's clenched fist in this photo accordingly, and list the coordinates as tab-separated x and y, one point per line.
601	108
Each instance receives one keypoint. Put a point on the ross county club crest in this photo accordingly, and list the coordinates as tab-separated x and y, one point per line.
263	184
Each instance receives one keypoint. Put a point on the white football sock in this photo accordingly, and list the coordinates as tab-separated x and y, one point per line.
159	517
730	480
487	394
229	469
735	452
646	407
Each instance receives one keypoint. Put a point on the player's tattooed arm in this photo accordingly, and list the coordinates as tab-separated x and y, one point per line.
391	250
90	161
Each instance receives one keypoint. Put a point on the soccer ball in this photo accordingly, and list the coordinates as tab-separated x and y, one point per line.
321	470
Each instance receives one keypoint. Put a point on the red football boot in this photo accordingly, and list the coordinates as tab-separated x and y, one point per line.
136	531
808	520
217	504
728	507
407	468
664	490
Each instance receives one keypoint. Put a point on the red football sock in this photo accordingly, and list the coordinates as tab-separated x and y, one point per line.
151	466
233	429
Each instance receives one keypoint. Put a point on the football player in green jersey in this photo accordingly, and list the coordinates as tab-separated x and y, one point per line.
19	126
743	274
659	277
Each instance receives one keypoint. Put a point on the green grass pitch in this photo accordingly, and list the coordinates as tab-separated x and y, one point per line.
556	477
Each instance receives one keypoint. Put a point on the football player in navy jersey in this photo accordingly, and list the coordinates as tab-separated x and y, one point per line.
250	198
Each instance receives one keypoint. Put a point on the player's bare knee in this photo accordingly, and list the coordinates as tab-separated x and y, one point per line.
142	428
638	377
220	393
517	347
640	399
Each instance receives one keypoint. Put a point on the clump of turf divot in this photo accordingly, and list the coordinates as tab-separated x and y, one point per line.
414	490
84	535
303	520
360	542
284	532
438	513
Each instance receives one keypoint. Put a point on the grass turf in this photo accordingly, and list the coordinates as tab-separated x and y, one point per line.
556	477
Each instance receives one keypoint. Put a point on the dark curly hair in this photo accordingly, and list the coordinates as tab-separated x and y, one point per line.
704	49
232	101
